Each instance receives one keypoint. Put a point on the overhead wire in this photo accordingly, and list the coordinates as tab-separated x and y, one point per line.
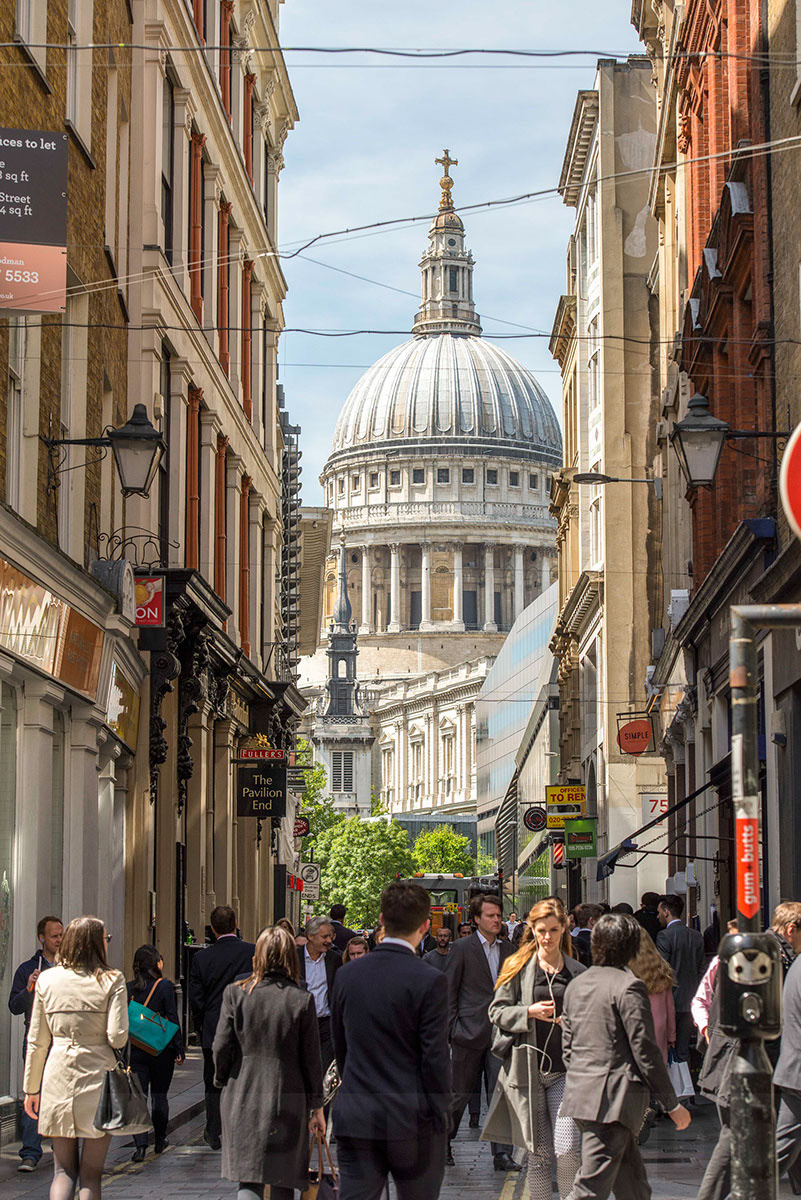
758	150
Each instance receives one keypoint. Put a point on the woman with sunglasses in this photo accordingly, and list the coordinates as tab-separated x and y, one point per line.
79	1018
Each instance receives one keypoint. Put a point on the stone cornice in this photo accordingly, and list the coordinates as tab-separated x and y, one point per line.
579	142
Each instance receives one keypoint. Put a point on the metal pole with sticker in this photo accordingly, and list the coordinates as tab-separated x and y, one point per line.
750	971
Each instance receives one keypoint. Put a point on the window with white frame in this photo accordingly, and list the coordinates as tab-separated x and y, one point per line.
17	336
596	517
416	768
80	21
591	227
387	775
447	760
593	365
31	29
342	771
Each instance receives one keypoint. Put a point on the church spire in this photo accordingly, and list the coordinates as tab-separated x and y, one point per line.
342	607
342	685
447	269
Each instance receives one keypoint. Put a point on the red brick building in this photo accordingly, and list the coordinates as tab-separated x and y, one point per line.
727	335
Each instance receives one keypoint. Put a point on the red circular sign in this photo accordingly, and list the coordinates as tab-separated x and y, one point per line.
635	737
790	481
301	826
535	818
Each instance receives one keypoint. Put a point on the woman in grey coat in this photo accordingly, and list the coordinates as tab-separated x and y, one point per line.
526	1012
267	1062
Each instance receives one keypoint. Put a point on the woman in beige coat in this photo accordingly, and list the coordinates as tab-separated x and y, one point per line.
80	1011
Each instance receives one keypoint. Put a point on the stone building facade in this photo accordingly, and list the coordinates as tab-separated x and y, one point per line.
69	671
117	743
206	311
608	550
438	482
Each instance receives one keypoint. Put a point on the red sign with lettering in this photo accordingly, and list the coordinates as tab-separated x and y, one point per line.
261	752
636	737
747	866
150	600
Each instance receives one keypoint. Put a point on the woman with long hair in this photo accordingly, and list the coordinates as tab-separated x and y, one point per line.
267	1062
357	947
658	977
150	989
526	1012
80	1016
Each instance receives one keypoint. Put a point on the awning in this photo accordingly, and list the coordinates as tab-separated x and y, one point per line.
607	862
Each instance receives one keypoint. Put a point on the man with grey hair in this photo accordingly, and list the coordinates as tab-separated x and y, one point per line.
319	961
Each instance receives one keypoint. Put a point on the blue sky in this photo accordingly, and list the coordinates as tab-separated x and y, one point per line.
363	151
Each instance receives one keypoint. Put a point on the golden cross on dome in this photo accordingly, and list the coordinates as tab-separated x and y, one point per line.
446	183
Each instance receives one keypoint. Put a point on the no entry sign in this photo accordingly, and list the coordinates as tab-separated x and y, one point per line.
790	482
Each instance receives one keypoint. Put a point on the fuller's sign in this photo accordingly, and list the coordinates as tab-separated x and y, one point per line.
261	788
635	733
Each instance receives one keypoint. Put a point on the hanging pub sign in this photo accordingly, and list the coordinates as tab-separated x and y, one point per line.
261	788
636	734
33	220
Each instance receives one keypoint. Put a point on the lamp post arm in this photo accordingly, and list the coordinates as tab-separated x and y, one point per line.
756	433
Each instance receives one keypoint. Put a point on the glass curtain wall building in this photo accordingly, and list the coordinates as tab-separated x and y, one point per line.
504	707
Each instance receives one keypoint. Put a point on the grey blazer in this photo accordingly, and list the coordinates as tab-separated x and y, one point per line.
683	948
470	990
608	1044
788	1068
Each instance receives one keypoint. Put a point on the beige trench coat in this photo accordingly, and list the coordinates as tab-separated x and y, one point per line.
77	1018
512	1116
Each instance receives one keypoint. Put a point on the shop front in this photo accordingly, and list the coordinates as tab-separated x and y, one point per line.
69	686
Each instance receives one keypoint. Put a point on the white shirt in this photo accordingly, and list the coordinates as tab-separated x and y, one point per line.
317	983
390	941
493	953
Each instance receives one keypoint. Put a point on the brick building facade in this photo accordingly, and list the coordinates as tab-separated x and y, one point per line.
118	743
723	228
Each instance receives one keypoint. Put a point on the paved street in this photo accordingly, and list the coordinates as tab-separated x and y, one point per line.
189	1169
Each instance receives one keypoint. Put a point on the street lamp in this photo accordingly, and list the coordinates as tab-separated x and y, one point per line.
137	446
698	441
597	477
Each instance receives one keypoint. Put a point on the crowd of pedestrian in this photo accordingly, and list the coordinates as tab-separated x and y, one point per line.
576	1027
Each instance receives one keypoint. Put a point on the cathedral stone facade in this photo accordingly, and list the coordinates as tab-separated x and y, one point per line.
438	480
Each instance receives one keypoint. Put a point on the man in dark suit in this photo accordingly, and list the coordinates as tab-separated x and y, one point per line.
788	1078
471	969
319	961
647	915
683	948
585	915
390	1027
613	1065
342	934
213	968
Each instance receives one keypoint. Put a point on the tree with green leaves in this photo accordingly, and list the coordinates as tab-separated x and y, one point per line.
358	859
443	851
316	805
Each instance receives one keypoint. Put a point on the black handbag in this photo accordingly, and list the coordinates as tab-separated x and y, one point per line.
122	1107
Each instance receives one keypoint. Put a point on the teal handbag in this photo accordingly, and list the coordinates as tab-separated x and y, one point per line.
147	1029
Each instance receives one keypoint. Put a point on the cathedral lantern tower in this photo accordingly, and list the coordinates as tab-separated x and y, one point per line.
447	269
